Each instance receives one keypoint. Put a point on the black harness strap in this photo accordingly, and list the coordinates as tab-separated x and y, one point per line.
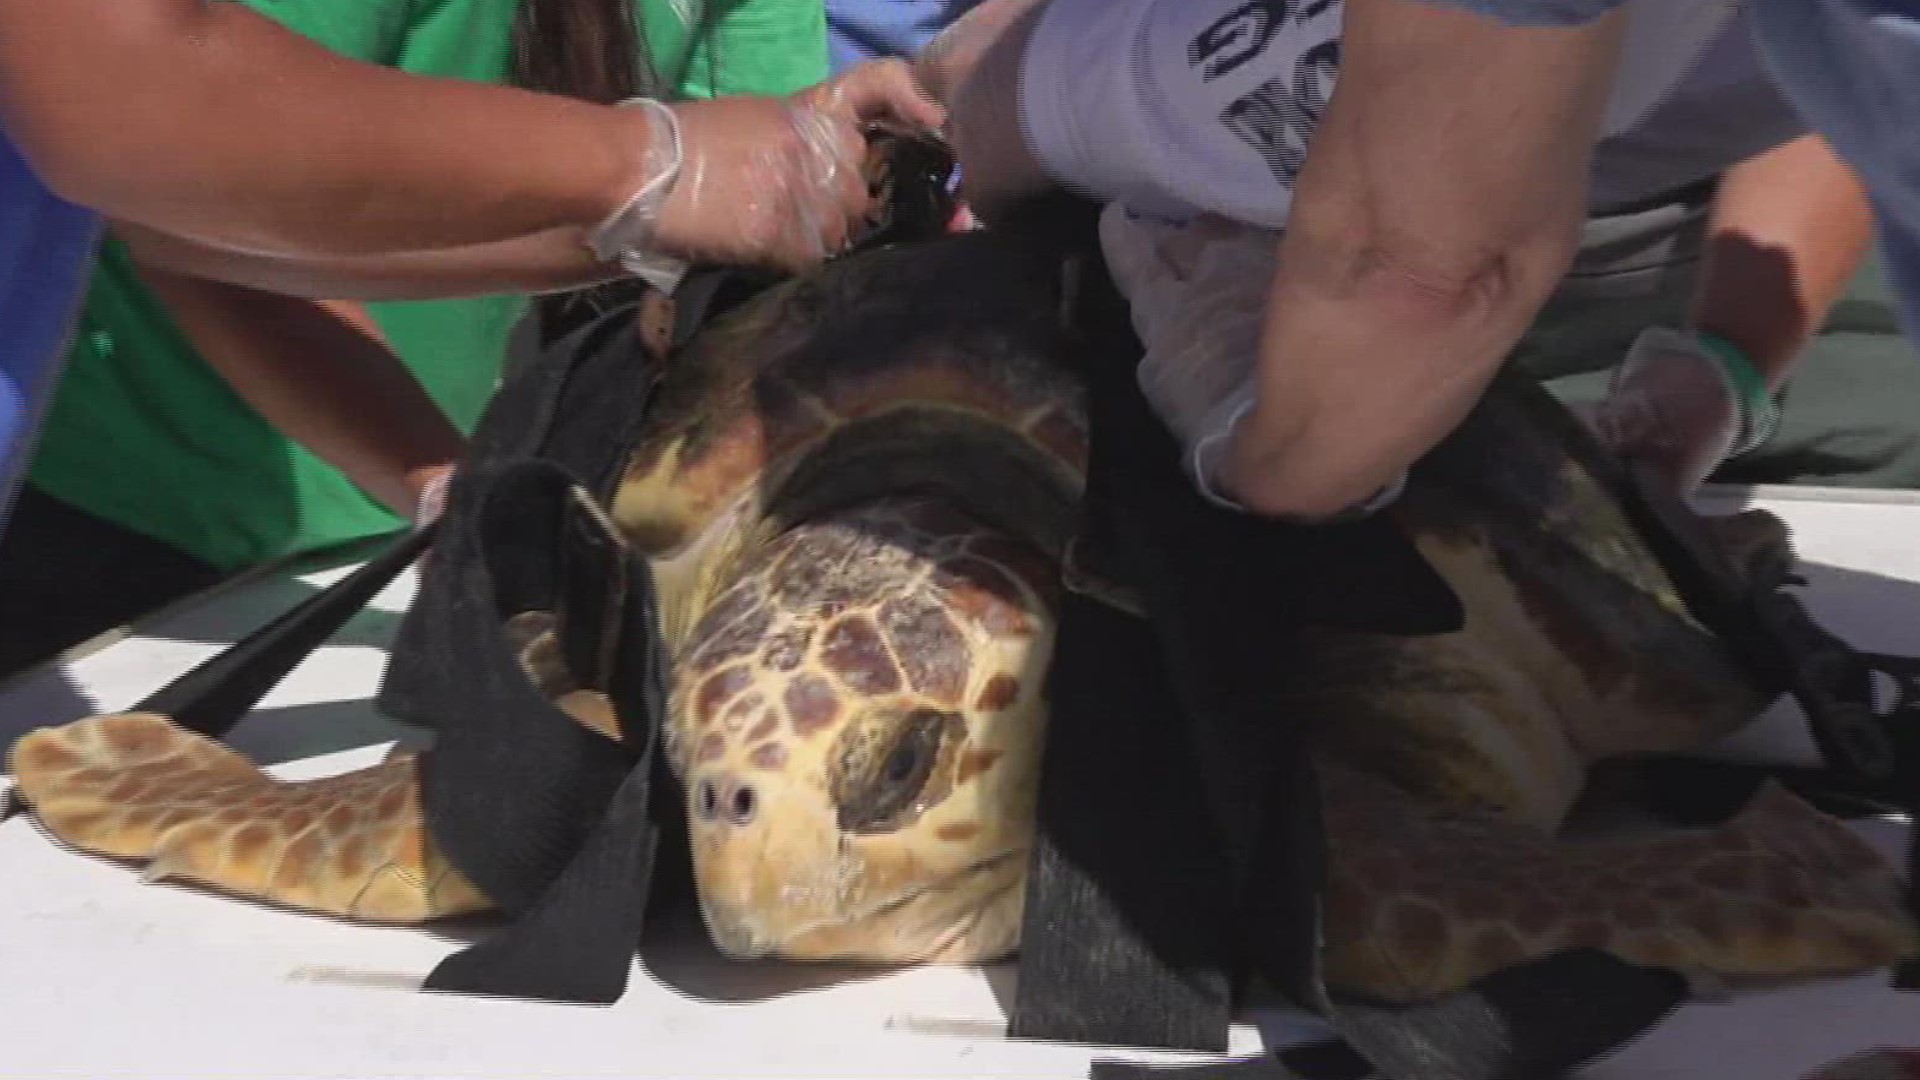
1227	594
1127	917
568	846
558	825
214	696
1872	754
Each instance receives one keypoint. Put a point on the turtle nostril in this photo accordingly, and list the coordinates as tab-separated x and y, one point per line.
706	800
740	808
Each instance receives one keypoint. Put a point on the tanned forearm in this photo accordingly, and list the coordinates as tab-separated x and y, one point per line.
552	261
973	68
322	373
1440	203
310	153
1789	230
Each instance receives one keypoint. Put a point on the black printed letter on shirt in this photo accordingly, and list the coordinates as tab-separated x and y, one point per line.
1278	118
1237	37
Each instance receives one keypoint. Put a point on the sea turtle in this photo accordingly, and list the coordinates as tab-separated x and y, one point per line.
857	489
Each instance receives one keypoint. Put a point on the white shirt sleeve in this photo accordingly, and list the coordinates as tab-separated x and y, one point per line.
1180	107
1174	107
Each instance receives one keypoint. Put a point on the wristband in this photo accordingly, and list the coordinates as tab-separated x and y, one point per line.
627	233
1759	413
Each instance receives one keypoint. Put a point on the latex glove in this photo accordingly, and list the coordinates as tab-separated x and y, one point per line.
1197	291
760	181
1673	404
432	500
428	506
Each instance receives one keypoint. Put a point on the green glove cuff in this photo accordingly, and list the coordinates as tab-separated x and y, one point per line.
1759	413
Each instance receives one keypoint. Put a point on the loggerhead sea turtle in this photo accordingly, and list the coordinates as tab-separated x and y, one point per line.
856	492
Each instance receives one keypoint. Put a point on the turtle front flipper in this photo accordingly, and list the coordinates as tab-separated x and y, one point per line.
1421	902
138	786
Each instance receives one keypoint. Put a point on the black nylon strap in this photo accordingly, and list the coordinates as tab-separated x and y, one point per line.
1227	593
555	823
1872	756
577	941
513	788
1528	1022
1125	938
552	821
1531	1022
216	695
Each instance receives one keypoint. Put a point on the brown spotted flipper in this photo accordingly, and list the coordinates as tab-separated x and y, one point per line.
1420	904
138	786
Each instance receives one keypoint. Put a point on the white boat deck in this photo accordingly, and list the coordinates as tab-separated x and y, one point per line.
103	976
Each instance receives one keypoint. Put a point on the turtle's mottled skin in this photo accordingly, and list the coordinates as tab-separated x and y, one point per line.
856	494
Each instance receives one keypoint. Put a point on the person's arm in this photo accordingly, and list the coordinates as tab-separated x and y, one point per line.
552	261
1790	228
208	120
321	373
1439	205
216	121
973	68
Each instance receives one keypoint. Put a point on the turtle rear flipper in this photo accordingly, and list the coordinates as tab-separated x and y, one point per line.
138	786
1422	903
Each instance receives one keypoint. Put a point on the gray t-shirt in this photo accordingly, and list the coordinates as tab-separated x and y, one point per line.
1179	107
1537	12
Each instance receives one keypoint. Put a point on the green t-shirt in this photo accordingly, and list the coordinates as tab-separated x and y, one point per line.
145	434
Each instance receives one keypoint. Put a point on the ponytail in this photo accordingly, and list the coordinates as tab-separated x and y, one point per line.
593	50
589	49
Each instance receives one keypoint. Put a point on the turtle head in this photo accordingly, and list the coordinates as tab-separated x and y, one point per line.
861	780
882	850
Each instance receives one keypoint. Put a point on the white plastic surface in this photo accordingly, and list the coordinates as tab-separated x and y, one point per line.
103	976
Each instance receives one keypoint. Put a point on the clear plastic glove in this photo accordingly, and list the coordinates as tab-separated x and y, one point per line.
761	181
1198	296
1671	405
428	506
432	500
1198	293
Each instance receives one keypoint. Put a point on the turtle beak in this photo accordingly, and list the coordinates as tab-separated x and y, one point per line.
765	860
735	939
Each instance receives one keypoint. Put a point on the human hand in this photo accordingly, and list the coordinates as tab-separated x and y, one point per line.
774	182
973	69
430	498
1674	406
951	57
430	501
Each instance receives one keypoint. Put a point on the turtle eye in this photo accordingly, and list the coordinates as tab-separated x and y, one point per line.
882	770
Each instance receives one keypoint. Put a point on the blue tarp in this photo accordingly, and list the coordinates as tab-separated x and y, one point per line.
865	29
46	253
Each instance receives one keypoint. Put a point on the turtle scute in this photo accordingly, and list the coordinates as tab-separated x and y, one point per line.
857	724
1421	904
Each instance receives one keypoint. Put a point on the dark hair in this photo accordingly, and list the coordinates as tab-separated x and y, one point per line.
590	49
593	50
